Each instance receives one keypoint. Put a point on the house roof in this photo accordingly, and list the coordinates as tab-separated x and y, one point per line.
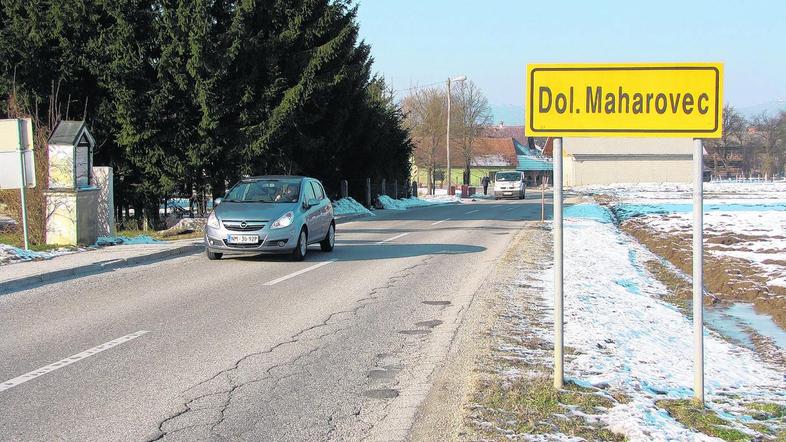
70	133
505	132
487	152
531	159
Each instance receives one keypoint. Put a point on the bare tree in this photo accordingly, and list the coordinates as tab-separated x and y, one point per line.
472	113
426	112
769	136
734	127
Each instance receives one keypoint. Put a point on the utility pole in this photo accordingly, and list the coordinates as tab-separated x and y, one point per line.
447	139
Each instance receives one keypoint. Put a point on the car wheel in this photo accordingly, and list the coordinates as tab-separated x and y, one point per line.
329	242
299	254
213	256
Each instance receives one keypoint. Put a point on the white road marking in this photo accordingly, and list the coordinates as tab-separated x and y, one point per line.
508	210
393	238
299	272
68	361
438	222
472	211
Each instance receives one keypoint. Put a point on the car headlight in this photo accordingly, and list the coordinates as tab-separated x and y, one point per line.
285	221
212	221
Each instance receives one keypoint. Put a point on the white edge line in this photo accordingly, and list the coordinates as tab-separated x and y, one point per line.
472	211
393	238
11	383
438	222
299	272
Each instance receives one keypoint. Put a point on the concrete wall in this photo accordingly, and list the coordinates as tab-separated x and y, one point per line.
61	217
582	173
71	217
589	161
103	180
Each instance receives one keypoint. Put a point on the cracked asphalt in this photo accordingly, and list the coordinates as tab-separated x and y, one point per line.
345	351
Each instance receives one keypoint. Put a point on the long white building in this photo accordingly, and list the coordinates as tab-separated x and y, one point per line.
589	161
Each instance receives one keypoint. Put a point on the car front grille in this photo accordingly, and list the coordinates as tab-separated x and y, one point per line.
243	226
241	246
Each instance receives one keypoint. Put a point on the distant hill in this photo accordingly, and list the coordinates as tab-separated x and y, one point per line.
511	114
772	108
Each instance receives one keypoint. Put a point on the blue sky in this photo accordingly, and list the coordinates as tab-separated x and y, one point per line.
421	42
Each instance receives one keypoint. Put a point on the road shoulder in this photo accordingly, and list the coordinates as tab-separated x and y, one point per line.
445	412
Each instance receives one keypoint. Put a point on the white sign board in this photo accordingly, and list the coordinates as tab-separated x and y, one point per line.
16	136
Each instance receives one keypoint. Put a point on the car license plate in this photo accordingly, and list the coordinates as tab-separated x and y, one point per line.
243	239
507	193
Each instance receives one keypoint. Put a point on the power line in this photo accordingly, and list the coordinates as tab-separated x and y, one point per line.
417	87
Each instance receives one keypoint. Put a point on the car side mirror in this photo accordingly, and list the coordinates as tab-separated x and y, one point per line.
217	201
310	203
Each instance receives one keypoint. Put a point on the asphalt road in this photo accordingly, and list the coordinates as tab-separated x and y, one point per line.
341	346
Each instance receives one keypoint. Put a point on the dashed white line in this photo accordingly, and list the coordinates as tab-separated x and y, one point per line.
393	238
472	211
439	222
299	272
11	383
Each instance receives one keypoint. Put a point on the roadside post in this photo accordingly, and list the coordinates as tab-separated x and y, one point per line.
559	315
542	199
344	188
634	100
16	140
368	192
698	269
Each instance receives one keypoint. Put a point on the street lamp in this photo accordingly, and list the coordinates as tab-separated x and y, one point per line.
450	80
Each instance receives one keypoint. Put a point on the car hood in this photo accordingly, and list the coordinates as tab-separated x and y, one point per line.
253	211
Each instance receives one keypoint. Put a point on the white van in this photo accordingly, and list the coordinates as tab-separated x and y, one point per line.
510	184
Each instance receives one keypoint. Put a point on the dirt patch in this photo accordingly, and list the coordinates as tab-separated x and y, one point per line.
728	279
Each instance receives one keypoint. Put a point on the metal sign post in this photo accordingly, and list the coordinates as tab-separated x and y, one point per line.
698	270
23	182
559	373
633	100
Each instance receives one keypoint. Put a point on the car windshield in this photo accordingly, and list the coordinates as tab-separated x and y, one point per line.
265	191
508	176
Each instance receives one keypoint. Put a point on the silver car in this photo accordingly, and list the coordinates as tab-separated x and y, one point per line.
271	214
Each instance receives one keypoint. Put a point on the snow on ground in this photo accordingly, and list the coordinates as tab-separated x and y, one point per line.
629	339
348	206
406	203
681	191
118	240
751	215
11	254
759	236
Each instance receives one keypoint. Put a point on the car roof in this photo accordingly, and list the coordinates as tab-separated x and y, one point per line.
275	177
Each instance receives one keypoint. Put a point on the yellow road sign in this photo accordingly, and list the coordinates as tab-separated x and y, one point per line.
640	100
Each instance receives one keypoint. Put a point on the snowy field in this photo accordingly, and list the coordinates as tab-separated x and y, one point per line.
627	338
741	220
